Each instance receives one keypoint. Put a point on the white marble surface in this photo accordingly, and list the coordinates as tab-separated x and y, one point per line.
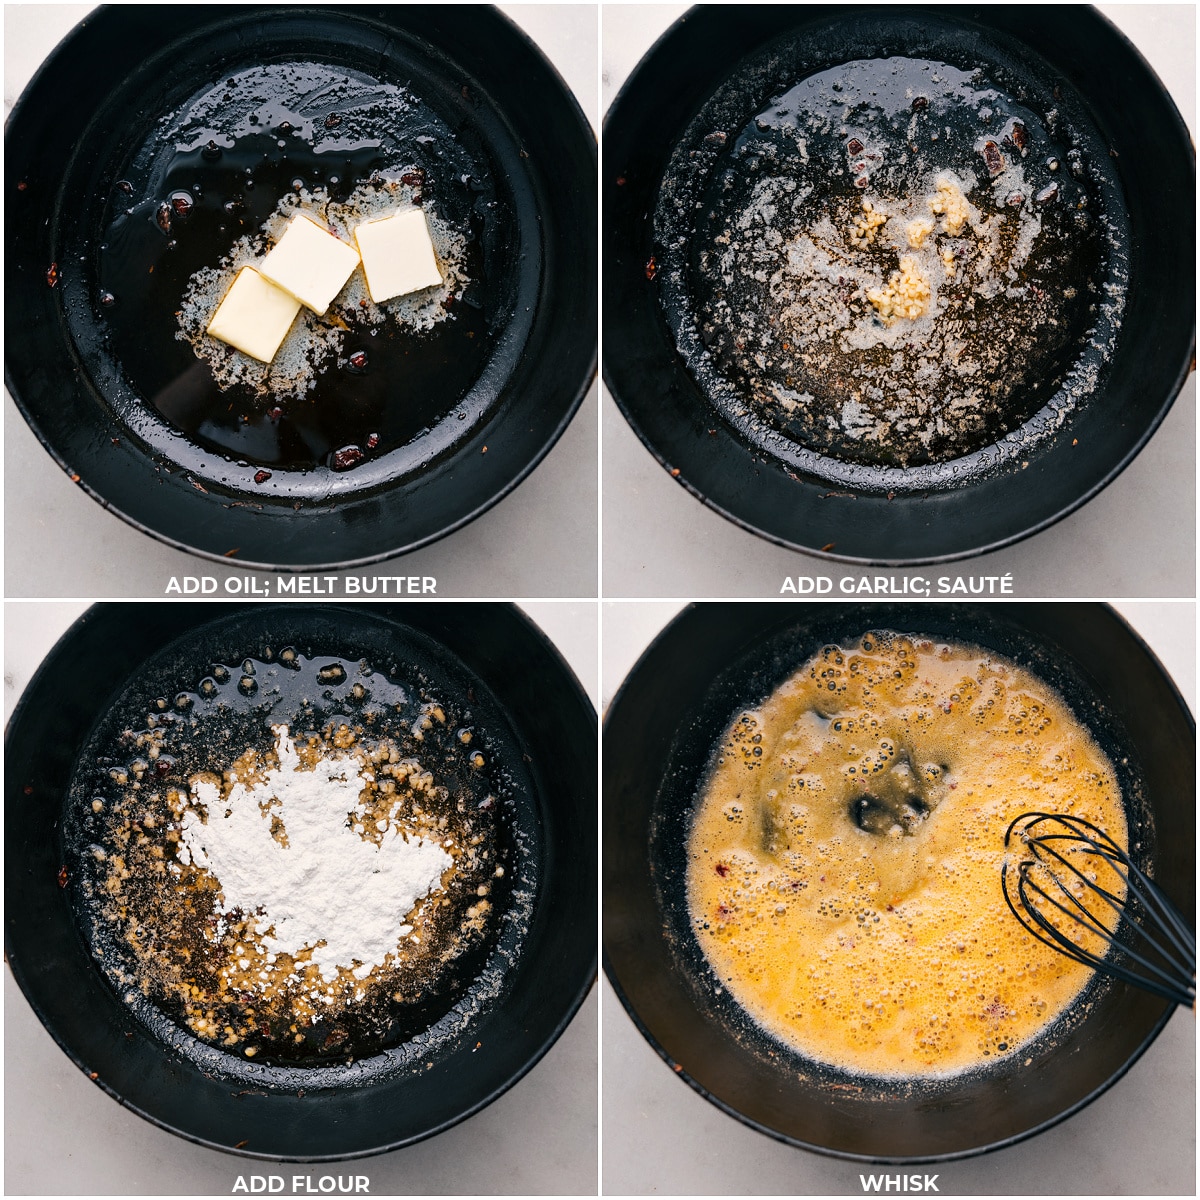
539	541
660	1136
1137	538
64	1136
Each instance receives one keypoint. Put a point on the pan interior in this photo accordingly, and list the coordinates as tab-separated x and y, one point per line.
221	689
185	163
671	713
771	665
831	308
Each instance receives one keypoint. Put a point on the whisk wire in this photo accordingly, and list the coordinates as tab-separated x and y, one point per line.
1167	936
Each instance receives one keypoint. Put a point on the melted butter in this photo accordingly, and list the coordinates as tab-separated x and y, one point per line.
845	857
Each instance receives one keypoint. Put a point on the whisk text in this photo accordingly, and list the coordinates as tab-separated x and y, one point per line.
898	1183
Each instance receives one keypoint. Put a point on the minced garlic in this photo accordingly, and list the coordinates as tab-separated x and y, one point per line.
863	233
906	295
950	203
918	231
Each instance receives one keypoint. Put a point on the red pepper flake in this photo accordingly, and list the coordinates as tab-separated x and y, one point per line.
74	478
373	441
484	450
620	181
825	549
261	476
993	158
62	876
1019	137
22	185
675	472
52	275
28	789
332	121
677	1068
651	268
721	869
93	1075
358	360
242	1144
231	553
345	458
723	910
854	146
198	486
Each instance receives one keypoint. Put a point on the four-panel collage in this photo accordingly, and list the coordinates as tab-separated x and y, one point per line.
600	599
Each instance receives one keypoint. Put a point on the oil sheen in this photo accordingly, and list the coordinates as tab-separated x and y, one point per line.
894	262
845	855
213	174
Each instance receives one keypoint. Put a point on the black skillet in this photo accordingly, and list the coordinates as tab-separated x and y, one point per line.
461	424
1035	475
541	738
660	730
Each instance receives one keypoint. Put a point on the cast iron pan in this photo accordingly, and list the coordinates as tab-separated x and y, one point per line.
461	414
659	732
1035	474
541	733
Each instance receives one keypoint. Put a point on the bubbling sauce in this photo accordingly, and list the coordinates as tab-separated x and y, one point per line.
844	860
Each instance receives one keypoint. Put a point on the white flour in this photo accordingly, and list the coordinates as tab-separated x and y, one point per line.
329	890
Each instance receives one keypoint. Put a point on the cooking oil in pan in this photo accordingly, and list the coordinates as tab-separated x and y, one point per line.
208	189
893	263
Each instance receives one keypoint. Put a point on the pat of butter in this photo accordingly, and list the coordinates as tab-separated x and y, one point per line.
310	263
397	255
254	316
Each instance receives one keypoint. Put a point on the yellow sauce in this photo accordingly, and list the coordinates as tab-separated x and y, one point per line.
844	860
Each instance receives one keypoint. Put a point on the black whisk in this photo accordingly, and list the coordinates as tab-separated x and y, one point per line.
1148	943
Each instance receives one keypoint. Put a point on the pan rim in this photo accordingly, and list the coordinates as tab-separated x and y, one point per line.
571	1001
1180	710
571	395
621	382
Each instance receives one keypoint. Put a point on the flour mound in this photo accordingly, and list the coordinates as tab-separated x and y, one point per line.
287	850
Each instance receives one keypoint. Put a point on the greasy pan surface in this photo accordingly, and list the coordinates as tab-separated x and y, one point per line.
506	153
486	658
659	733
1037	472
